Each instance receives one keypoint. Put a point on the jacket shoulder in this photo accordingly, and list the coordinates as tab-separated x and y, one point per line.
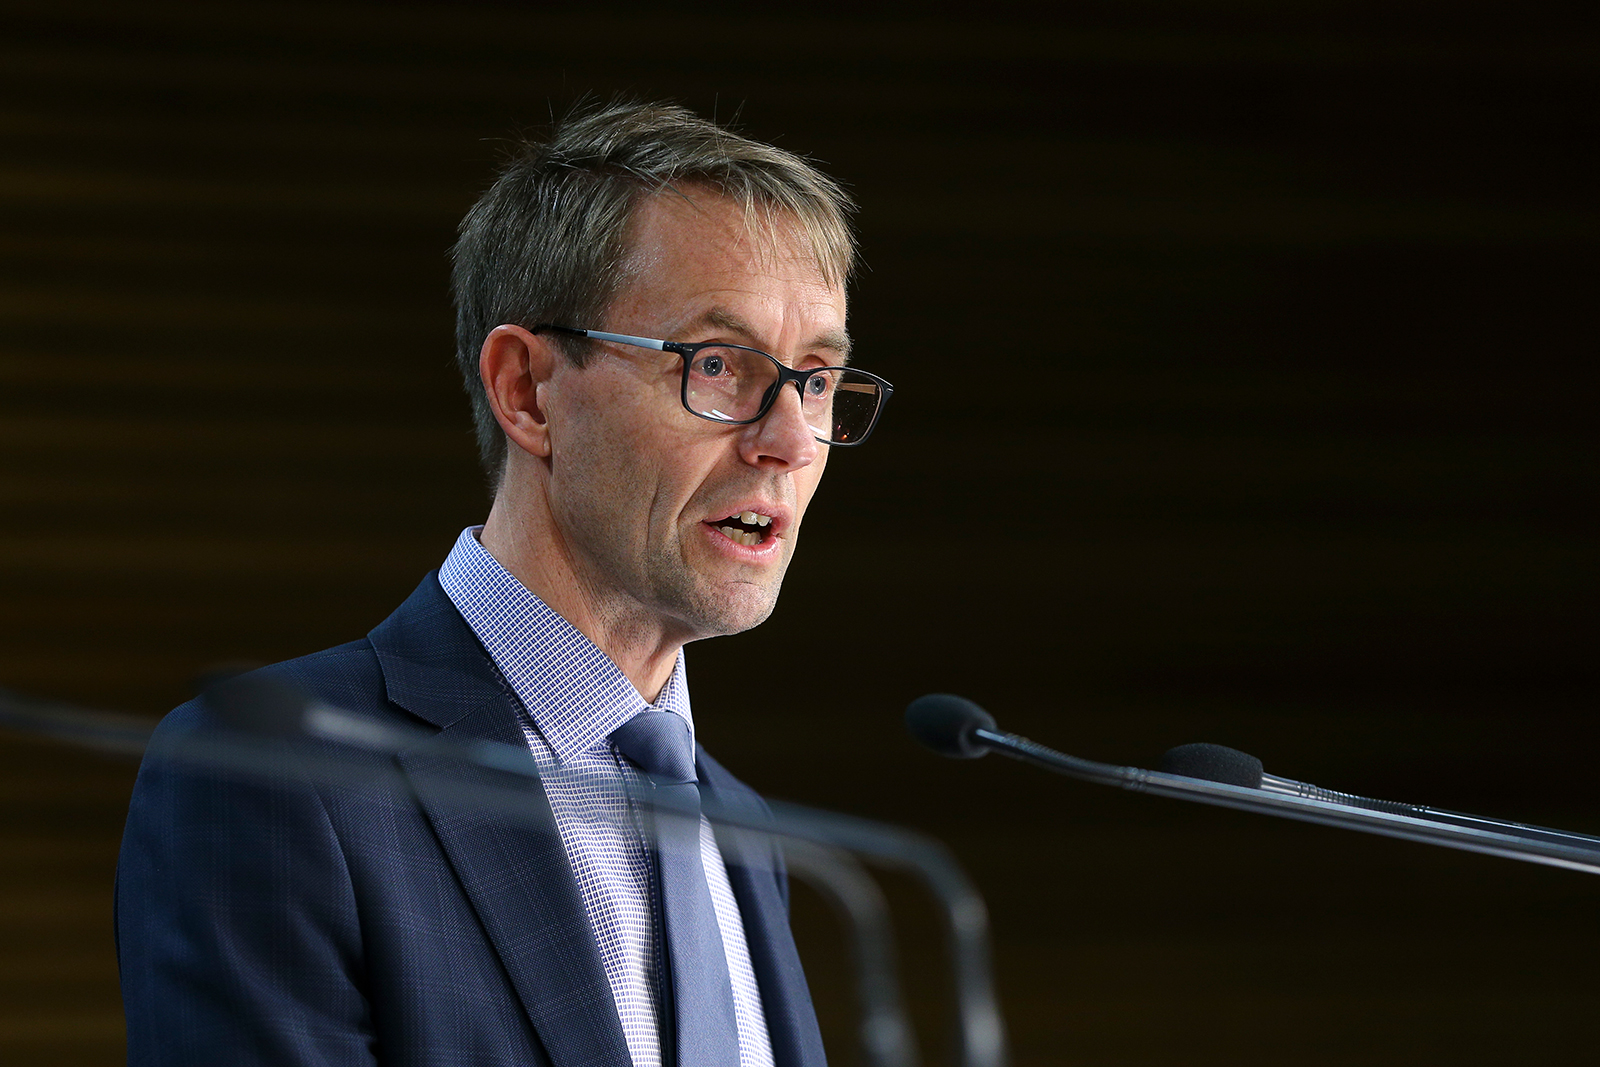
346	675
357	675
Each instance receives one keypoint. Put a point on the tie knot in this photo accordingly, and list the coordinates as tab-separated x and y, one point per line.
658	741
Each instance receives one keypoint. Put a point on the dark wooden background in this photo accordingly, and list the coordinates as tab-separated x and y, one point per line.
1244	363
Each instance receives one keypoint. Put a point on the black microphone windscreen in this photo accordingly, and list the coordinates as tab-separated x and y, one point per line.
258	704
1214	763
944	722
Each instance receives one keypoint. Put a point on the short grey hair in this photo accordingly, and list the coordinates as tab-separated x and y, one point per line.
549	240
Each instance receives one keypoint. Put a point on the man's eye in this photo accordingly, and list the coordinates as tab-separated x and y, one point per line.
710	366
819	385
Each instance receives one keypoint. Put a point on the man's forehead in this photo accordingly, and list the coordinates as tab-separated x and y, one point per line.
720	270
829	338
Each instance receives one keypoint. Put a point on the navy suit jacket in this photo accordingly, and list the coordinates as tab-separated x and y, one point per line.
265	922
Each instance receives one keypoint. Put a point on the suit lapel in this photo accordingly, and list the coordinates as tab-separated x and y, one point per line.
512	866
756	875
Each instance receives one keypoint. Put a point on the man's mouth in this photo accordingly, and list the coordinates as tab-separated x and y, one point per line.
748	528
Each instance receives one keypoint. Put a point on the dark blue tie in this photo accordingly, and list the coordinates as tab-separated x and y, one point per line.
702	994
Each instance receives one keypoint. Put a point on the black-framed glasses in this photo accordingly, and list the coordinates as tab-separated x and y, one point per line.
736	385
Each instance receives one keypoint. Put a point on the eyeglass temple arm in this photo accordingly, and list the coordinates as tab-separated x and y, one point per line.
601	335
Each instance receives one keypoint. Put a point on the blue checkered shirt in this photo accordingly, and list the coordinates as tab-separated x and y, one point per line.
574	697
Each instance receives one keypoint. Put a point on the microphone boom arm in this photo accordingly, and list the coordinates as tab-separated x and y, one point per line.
1471	833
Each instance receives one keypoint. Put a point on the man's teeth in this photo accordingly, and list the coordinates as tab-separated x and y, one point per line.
749	538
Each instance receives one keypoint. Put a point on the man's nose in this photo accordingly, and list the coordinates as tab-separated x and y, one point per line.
782	437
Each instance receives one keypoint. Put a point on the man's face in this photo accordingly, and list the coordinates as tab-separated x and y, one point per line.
641	491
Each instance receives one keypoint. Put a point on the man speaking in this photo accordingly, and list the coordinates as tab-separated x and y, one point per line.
651	325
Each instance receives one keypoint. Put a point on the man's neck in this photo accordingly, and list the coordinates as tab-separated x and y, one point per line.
642	651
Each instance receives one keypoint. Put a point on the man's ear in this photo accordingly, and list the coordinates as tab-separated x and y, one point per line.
515	366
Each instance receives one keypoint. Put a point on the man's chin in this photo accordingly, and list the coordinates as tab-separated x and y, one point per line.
730	609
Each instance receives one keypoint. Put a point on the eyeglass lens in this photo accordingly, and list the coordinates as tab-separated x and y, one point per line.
732	384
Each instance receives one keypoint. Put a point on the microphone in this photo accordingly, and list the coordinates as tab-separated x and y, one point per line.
946	723
1214	763
956	727
1213	774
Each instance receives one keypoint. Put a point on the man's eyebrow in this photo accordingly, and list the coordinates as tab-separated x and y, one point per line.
832	340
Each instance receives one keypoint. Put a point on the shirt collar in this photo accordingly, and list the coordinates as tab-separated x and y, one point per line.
572	691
